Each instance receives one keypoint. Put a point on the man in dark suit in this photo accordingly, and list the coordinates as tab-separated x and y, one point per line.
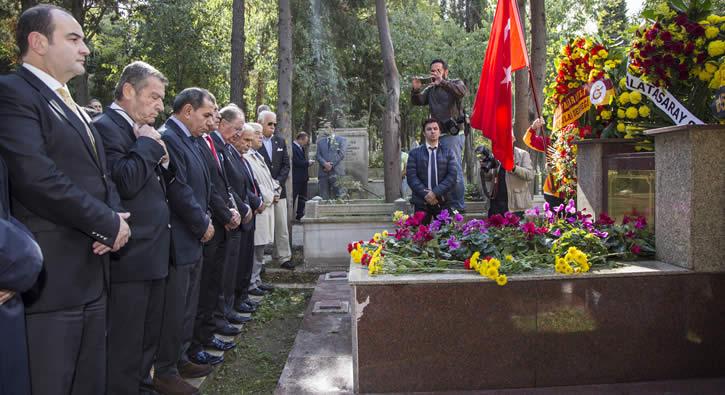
61	190
300	173
274	152
226	219
189	193
138	163
245	190
20	263
431	172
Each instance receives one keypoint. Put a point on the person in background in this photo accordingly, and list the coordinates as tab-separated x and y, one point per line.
540	143
330	155
300	173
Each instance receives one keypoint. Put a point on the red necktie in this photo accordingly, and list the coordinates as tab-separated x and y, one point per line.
213	150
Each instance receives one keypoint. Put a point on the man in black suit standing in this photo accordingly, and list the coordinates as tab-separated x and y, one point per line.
138	163
61	190
274	152
300	172
189	193
226	219
20	263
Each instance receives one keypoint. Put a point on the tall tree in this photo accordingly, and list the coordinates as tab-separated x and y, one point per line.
538	65
391	115
521	94
284	88
612	21
236	78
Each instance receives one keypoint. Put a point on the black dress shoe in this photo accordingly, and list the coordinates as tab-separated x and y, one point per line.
220	344
203	357
238	319
287	265
192	370
245	308
252	303
266	287
228	330
257	292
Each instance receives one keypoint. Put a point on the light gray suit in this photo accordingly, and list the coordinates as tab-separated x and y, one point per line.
327	151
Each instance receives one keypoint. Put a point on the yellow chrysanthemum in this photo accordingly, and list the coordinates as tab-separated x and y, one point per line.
716	48
624	98
492	272
711	67
495	263
643	111
606	114
712	18
377	236
635	97
632	112
704	76
509	258
501	280
621	114
711	32
622	82
620	127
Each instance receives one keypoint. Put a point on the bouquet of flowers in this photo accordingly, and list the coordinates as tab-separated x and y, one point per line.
680	50
559	238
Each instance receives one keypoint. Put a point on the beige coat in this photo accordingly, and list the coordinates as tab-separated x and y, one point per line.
518	183
268	187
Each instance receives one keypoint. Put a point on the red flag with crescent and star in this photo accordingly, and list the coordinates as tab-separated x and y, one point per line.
505	54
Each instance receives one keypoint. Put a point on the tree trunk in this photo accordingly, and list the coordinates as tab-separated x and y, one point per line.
538	67
259	97
391	115
236	94
521	94
284	93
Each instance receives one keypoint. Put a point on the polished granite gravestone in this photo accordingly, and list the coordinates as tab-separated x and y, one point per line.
461	332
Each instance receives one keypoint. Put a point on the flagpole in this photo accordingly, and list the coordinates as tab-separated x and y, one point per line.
532	85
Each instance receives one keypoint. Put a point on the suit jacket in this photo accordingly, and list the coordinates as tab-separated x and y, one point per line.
279	162
518	182
300	166
60	190
417	174
334	153
221	200
244	183
20	263
189	193
264	227
134	167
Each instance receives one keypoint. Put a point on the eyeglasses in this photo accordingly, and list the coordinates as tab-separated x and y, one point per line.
271	123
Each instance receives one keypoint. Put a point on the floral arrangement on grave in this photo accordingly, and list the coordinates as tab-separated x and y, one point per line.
581	99
677	64
545	240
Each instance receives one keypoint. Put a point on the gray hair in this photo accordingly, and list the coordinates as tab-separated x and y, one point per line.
231	113
194	96
256	126
263	114
137	74
263	107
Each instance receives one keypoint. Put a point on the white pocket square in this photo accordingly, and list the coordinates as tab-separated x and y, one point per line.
280	149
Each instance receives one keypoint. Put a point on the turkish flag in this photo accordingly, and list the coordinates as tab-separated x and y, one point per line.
505	54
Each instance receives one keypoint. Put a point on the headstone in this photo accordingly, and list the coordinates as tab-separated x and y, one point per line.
356	155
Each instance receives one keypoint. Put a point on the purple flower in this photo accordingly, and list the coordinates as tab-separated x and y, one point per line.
435	225
556	232
459	217
547	207
559	208
600	234
444	216
453	244
571	207
640	223
511	219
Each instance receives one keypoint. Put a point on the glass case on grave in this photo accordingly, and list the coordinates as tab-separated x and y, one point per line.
631	185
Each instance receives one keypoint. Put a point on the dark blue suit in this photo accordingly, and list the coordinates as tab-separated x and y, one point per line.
189	193
61	191
139	269
300	177
20	263
417	176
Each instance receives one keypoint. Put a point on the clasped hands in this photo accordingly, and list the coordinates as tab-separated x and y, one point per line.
431	198
150	132
124	233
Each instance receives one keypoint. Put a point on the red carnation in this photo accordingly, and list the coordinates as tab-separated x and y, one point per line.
467	264
349	247
365	260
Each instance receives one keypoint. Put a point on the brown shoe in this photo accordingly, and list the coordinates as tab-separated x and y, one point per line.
192	370
174	385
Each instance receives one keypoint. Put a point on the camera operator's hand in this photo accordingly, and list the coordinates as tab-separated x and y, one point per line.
537	124
416	84
436	78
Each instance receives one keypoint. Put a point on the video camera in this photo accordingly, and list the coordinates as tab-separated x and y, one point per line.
486	159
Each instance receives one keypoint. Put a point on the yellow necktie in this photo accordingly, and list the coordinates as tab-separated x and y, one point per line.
68	100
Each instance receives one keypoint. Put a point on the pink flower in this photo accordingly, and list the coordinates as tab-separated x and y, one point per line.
640	222
416	219
605	220
423	235
511	219
529	229
496	221
635	249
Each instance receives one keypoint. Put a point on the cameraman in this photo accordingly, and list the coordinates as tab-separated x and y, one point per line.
443	98
511	191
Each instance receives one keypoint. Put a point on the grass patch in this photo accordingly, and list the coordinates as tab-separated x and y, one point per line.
255	365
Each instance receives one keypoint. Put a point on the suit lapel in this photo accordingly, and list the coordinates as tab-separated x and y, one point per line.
119	120
60	108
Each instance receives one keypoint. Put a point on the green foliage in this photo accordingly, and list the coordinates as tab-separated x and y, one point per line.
612	22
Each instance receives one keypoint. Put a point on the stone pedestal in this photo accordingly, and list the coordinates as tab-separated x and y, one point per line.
356	156
591	189
461	332
690	199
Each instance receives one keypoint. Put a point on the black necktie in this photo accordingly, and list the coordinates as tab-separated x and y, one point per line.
432	168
